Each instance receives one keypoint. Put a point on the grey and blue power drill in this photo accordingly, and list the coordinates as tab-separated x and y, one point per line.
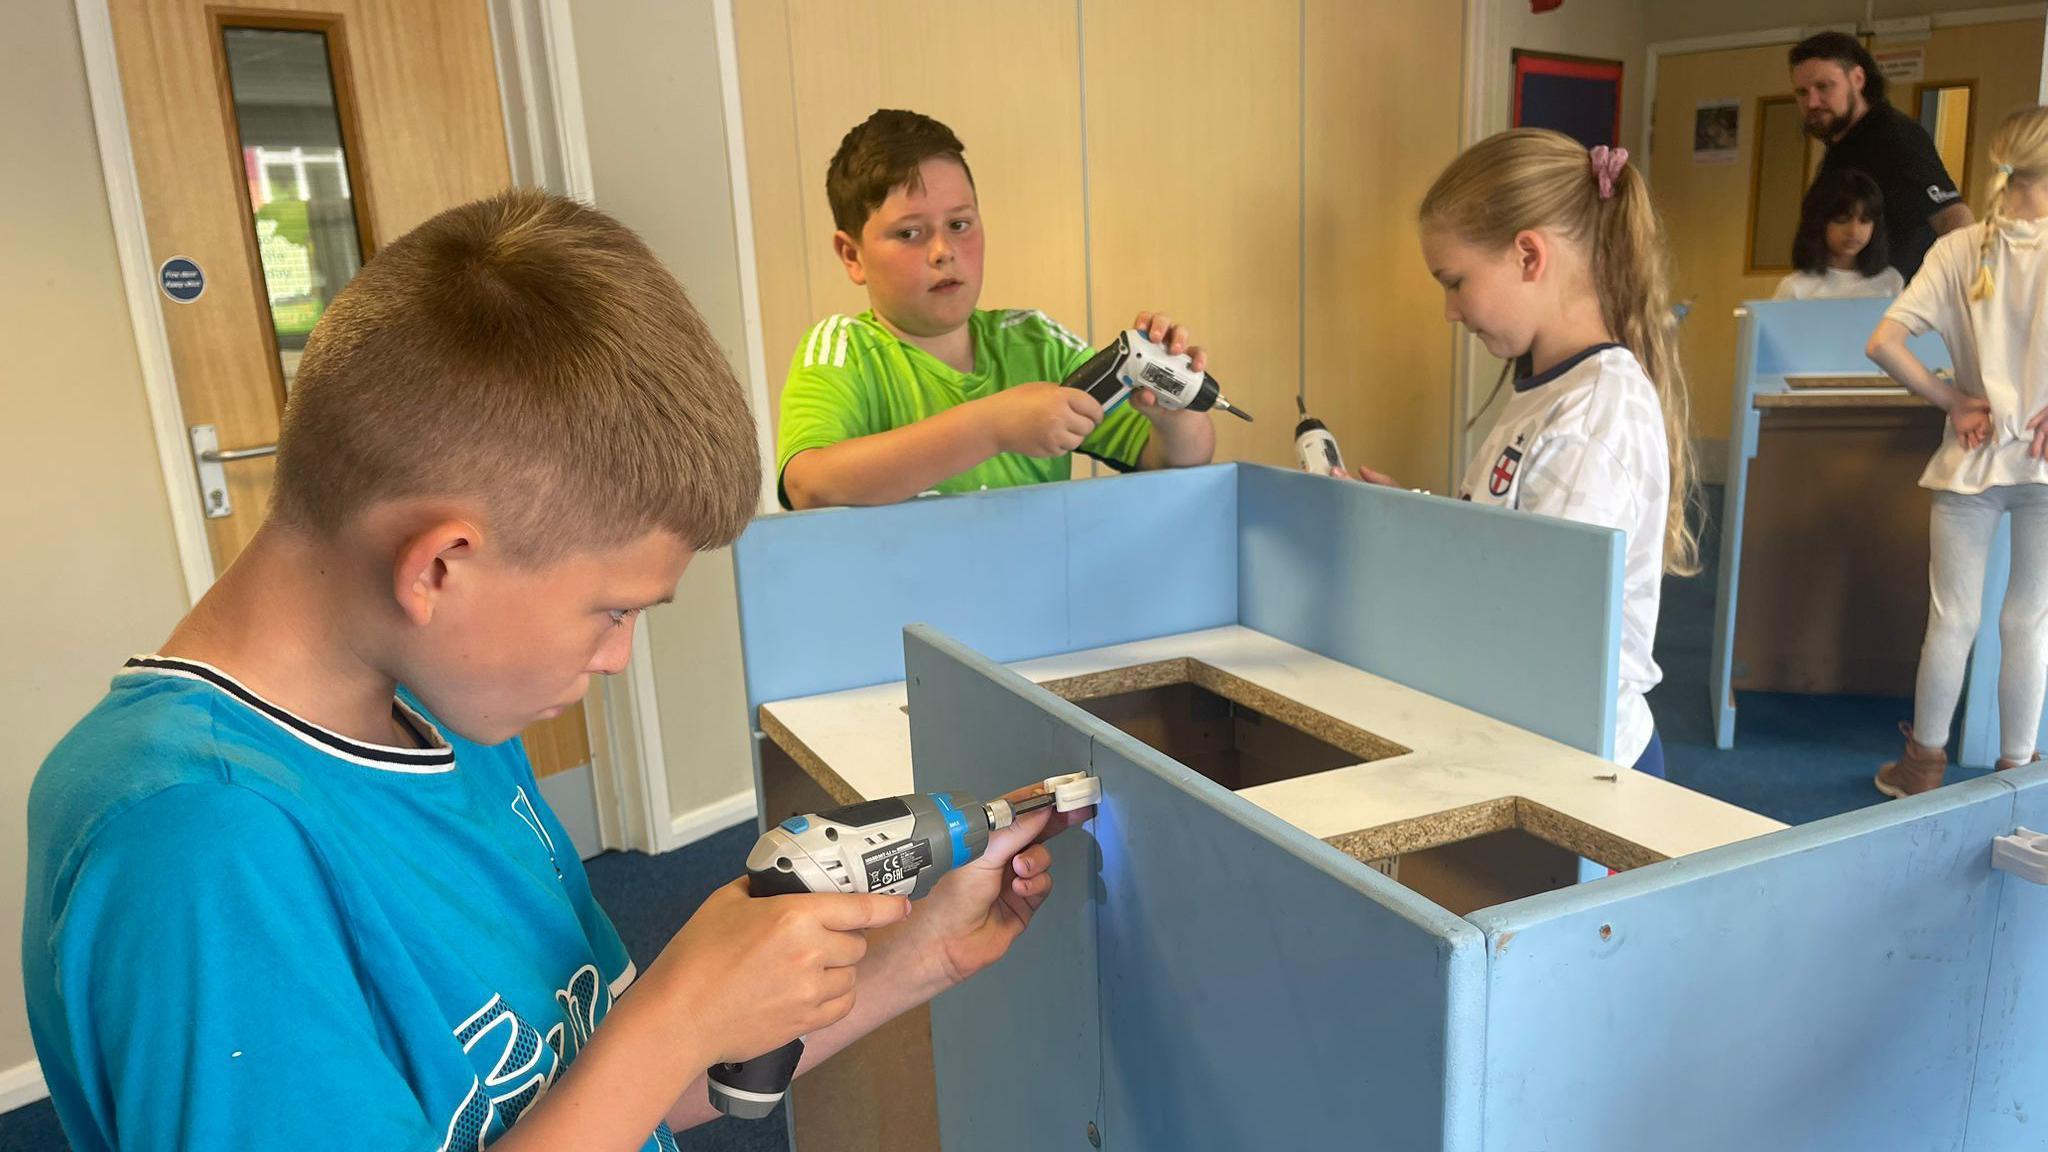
898	847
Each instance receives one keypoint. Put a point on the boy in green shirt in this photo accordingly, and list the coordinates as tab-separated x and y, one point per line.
924	392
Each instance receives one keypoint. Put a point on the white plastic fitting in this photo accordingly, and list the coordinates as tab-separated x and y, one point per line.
2024	854
1074	790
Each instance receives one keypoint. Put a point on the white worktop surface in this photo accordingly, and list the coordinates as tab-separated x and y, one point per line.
1459	757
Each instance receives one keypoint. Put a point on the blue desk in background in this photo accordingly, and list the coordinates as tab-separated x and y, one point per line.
1778	339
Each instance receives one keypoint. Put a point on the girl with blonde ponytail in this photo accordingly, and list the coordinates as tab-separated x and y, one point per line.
1984	288
1552	252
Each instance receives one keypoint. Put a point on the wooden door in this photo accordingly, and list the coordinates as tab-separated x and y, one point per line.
276	148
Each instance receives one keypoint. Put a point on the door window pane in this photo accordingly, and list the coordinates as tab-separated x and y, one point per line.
1945	113
296	165
1778	183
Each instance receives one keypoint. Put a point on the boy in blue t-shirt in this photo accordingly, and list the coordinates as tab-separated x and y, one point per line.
276	900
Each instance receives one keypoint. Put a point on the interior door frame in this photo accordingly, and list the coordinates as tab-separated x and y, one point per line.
541	97
1920	90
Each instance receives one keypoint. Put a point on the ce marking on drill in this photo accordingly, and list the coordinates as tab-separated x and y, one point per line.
887	867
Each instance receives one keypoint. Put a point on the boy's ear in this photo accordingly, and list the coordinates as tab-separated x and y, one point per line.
431	562
848	250
1532	254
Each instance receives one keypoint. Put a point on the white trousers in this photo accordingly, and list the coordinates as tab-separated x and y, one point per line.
1961	532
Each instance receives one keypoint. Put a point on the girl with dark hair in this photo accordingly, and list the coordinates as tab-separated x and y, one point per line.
1841	250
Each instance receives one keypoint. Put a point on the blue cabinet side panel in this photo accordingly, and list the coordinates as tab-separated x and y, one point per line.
1508	614
1820	987
1262	990
1024	572
1204	976
1825	336
2009	1106
1016	1050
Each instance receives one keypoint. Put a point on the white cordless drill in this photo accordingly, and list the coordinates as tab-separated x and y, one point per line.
1315	446
1134	361
898	847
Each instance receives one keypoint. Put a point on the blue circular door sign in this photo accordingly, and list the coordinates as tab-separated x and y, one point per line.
181	279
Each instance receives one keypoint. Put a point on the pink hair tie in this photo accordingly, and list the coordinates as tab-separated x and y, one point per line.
1607	164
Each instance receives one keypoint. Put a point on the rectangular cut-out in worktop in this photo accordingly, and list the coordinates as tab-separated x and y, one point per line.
1387	774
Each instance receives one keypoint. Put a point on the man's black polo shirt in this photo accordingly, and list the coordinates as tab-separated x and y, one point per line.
1893	149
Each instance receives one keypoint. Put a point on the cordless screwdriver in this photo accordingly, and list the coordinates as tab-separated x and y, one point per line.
1314	446
898	847
1134	361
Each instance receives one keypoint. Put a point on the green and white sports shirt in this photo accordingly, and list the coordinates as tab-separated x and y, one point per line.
853	377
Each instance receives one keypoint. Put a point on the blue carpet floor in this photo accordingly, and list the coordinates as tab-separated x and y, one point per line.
1796	759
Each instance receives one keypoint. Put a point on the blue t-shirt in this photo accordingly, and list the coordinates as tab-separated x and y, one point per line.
247	931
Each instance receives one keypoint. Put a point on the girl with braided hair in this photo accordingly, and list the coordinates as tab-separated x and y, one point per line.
1984	289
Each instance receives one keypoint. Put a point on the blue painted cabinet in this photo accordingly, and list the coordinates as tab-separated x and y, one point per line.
1207	978
1204	976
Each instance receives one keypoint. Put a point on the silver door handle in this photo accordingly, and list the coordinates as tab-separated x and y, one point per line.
219	456
213	479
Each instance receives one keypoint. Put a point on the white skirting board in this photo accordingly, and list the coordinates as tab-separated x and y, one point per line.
21	1086
694	825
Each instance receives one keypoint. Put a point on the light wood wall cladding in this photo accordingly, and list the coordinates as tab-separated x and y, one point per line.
1382	121
1193	199
562	743
1194	193
1706	206
1004	77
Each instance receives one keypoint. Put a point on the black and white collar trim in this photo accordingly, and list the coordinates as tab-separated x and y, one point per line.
437	758
1563	366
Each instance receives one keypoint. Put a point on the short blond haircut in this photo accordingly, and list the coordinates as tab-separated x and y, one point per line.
530	353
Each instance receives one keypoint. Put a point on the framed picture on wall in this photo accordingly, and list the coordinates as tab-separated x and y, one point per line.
1716	131
1576	95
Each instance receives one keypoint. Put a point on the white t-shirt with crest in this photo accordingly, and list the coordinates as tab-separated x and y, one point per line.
1585	441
